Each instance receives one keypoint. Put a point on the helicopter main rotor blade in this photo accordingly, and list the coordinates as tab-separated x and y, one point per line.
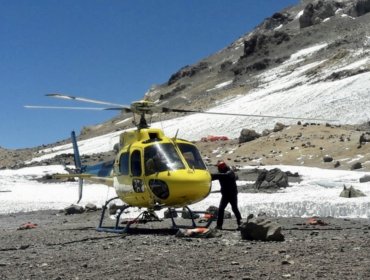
126	110
88	100
167	110
70	108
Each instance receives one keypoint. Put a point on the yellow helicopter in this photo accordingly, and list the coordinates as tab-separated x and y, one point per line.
150	170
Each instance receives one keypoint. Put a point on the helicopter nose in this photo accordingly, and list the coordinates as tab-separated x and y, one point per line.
159	188
184	188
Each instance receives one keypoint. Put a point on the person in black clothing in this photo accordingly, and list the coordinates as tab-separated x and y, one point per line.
229	192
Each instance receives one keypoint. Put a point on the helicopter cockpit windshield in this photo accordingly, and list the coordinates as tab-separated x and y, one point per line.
192	156
161	157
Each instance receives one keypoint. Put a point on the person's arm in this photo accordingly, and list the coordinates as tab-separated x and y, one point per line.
216	176
232	174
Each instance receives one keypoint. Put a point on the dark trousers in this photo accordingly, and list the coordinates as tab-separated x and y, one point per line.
233	200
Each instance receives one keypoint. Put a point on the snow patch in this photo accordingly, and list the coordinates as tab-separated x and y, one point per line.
316	195
307	52
279	27
221	85
299	14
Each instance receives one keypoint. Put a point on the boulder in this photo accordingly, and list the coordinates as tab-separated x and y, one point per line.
364	138
315	12
187	71
90	207
266	132
356	165
324	9
276	20
261	229
247	135
74	209
260	43
271	179
360	8
250	45
365	179
278	127
328	158
306	19
351	192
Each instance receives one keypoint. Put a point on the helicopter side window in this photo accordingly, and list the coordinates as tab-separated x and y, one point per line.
123	164
161	157
135	163
192	156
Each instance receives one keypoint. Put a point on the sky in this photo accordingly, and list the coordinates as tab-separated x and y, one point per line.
108	50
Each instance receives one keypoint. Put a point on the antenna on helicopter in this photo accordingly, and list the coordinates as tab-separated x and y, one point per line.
177	132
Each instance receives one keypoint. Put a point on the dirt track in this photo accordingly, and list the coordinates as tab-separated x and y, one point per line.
69	247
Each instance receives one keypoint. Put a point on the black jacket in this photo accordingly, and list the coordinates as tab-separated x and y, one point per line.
227	182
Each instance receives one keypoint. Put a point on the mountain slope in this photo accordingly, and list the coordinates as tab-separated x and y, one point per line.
310	61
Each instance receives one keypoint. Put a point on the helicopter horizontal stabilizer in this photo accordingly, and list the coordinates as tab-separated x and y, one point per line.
90	177
103	169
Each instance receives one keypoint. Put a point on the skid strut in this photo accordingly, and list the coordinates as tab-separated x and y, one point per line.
147	216
192	217
143	217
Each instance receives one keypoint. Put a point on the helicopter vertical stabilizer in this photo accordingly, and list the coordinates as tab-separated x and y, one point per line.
77	159
76	153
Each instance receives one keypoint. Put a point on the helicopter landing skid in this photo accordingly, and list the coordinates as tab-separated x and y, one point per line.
192	215
144	217
116	228
149	216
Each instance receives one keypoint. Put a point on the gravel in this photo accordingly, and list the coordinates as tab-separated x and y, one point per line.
69	247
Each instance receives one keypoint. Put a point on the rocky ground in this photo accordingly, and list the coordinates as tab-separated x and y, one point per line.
315	145
69	247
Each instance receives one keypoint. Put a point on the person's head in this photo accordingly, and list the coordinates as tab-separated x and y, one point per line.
222	166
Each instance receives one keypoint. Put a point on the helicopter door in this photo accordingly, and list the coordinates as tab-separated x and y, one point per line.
136	171
123	164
